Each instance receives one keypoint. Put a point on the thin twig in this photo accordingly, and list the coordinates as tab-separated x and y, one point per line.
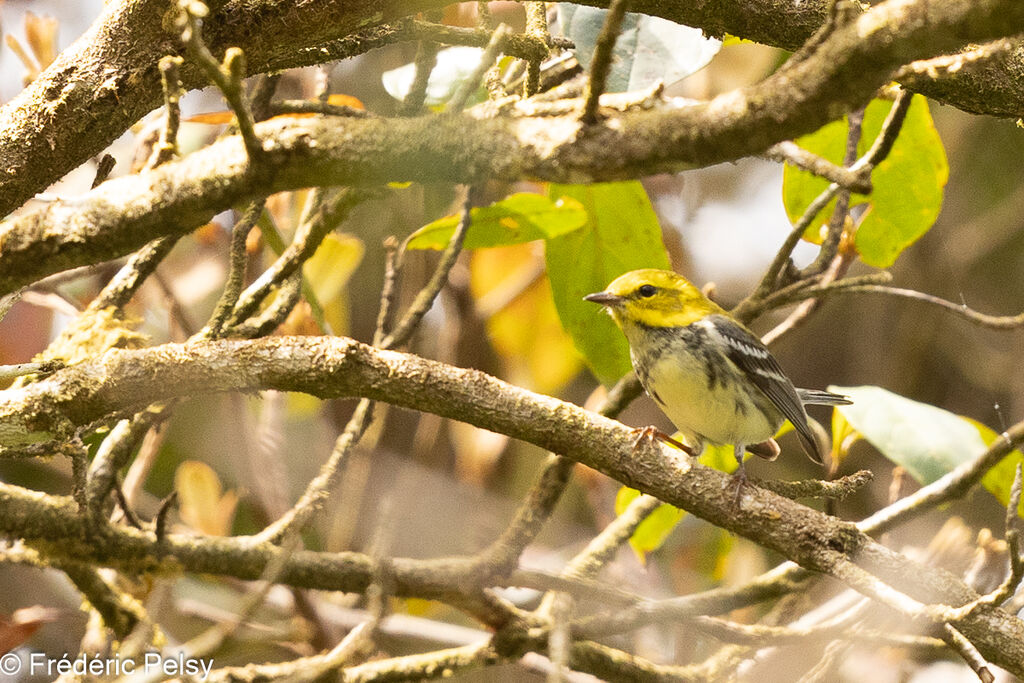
791	153
325	215
288	294
492	77
999	322
330	473
409	667
214	637
392	256
537	28
166	147
801	290
877	153
162	513
1012	523
143	263
601	64
817	488
262	93
750	307
425	299
227	76
487	59
125	506
840	264
501	556
425	61
601	548
518	45
946	65
325	481
281	107
7	302
112	455
41	369
826	259
965	648
559	612
236	271
758	634
891	128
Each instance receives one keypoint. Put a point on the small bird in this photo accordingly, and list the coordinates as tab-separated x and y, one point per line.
709	374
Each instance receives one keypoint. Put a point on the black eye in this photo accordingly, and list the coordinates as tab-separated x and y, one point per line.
647	290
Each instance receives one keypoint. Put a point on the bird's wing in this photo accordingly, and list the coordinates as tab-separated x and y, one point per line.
759	365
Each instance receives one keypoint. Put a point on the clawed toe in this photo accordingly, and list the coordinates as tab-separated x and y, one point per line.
738	481
651	433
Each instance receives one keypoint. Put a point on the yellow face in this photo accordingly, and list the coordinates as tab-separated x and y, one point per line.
654	298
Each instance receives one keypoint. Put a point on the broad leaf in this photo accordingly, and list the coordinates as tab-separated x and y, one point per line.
454	65
203	503
512	293
928	441
653	531
328	273
999	480
648	49
621	234
908	185
518	218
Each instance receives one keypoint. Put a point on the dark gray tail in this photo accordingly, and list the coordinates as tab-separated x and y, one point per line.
817	397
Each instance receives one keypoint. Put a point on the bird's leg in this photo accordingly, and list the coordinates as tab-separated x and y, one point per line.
739	477
650	433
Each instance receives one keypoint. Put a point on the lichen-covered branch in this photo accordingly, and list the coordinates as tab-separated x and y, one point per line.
841	72
108	79
332	367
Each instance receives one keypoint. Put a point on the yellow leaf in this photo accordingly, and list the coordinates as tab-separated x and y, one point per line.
212	117
203	504
514	294
340	100
329	271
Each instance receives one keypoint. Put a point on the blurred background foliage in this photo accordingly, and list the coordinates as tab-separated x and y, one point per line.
430	487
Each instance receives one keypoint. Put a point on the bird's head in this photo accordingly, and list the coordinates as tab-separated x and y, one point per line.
654	298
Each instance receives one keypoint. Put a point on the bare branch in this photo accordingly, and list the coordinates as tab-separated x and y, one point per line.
227	76
601	62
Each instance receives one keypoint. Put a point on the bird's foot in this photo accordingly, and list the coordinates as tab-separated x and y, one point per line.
739	477
650	433
738	481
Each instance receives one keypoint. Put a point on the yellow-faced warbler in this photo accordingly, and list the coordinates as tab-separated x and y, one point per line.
709	374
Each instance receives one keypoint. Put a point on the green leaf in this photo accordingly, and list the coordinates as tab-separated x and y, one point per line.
843	436
518	218
649	49
653	531
999	480
720	458
908	185
928	441
621	234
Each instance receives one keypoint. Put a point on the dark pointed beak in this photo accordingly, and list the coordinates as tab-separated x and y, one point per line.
603	298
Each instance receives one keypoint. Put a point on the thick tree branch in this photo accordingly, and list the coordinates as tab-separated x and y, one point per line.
841	72
122	381
108	79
